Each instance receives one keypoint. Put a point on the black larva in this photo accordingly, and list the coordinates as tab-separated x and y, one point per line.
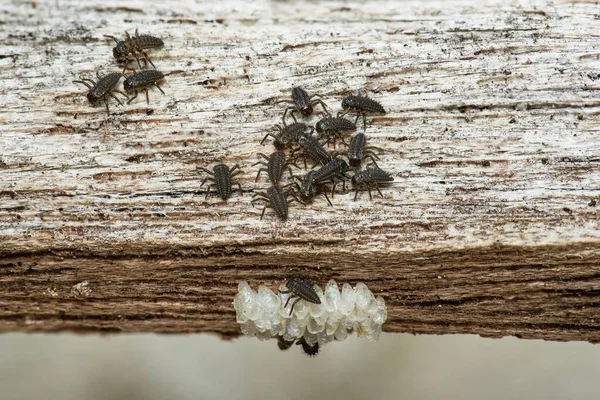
370	178
313	149
362	105
301	289
134	45
275	198
287	134
358	149
307	188
283	344
303	103
222	176
334	169
333	128
309	350
276	164
103	88
141	80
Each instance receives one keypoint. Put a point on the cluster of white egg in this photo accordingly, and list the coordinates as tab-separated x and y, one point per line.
262	314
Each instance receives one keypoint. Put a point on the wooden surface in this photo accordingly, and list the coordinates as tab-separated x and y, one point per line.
490	227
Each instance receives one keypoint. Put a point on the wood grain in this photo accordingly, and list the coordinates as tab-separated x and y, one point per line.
490	227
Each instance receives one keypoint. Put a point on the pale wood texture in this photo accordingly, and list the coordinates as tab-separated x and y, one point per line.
491	226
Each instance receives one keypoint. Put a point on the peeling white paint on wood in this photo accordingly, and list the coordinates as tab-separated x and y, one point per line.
491	131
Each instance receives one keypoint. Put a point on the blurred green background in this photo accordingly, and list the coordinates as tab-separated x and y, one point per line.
205	367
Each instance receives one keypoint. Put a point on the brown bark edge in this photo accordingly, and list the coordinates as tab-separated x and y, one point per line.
545	292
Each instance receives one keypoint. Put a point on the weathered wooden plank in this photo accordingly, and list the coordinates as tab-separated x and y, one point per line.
490	227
